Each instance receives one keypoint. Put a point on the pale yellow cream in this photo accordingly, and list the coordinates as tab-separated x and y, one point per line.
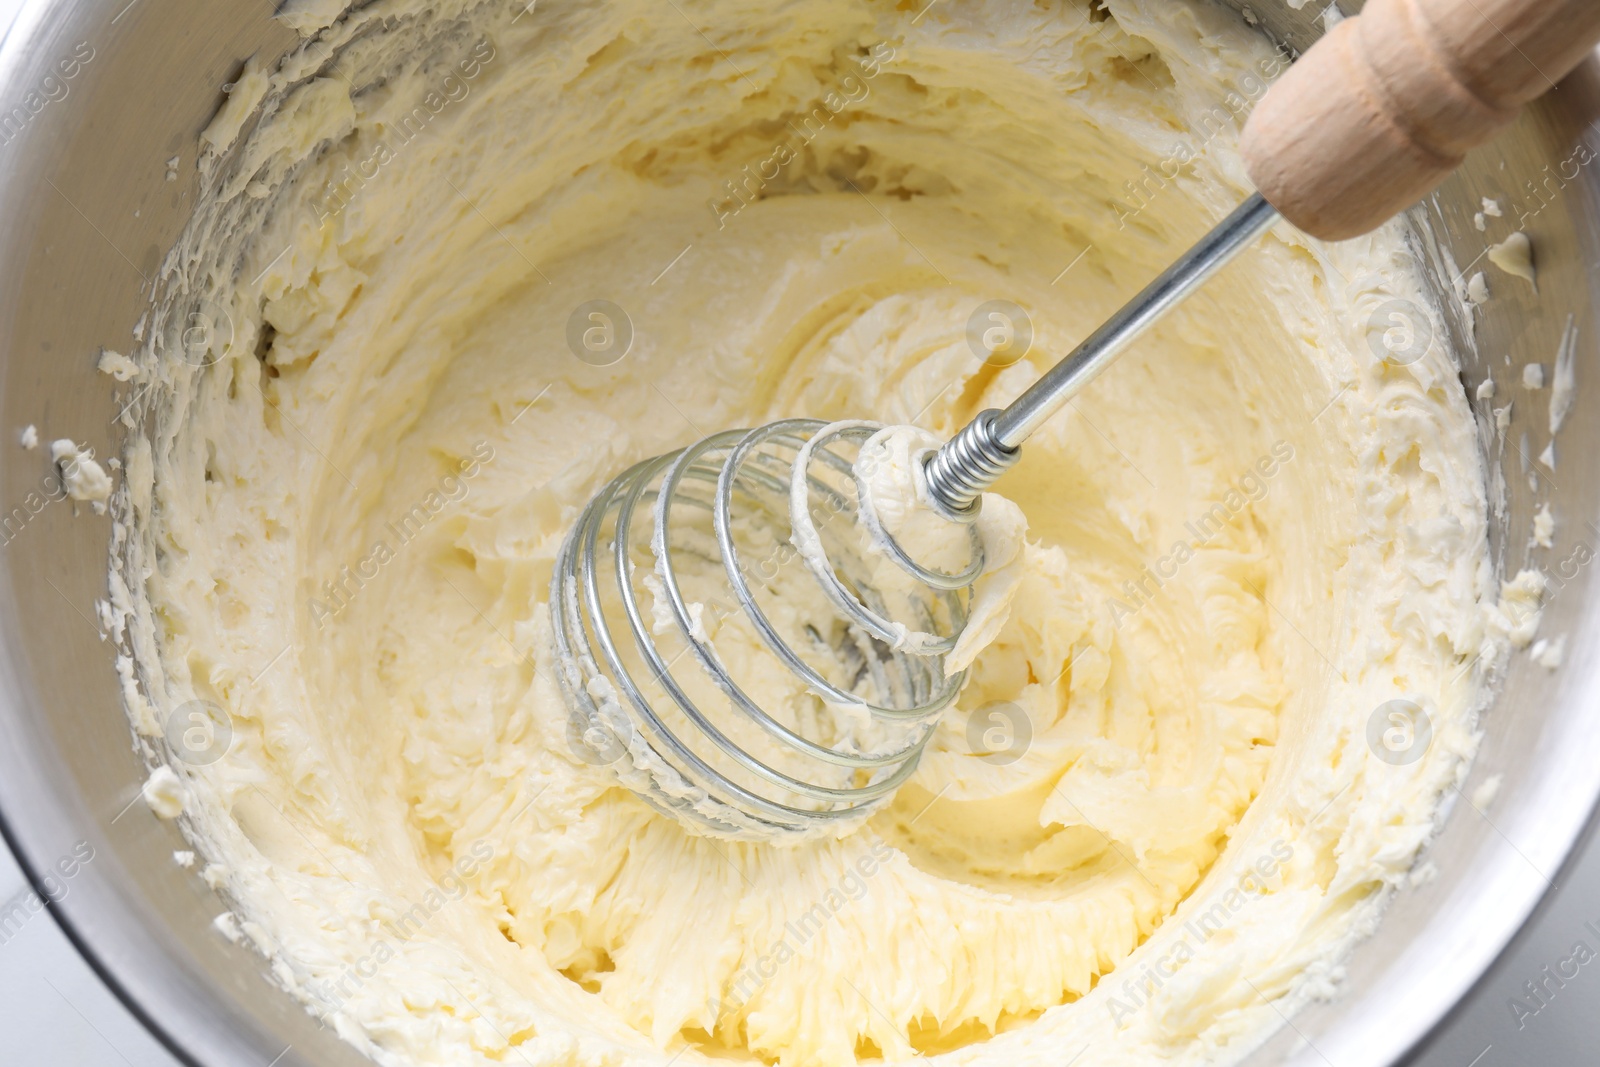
1154	821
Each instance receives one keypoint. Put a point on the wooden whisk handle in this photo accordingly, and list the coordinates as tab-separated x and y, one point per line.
1386	105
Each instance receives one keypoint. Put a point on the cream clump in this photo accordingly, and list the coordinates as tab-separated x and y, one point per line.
81	475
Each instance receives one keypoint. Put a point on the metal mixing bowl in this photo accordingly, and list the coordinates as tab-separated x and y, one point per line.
88	213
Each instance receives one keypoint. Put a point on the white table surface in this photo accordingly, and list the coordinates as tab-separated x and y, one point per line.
55	1010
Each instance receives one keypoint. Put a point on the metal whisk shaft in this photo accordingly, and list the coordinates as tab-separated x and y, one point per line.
991	444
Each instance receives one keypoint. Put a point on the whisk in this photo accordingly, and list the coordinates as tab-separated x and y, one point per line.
1336	145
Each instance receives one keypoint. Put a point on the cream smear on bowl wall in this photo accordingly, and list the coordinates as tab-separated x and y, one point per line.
1243	659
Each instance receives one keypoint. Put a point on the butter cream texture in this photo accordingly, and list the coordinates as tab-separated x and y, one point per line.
1155	819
